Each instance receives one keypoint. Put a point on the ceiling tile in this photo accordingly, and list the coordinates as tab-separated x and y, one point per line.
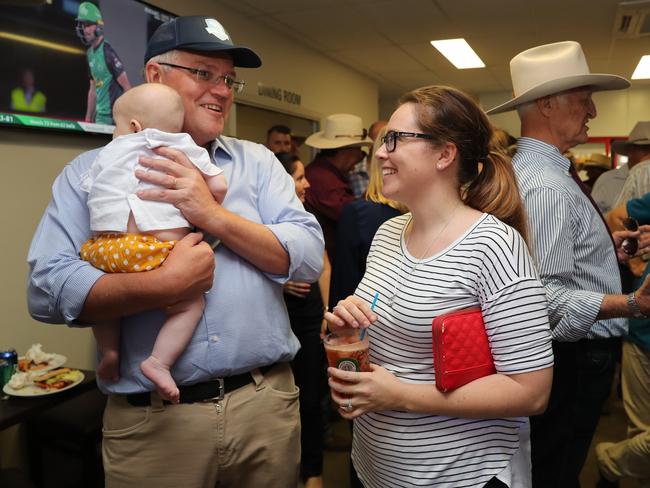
385	59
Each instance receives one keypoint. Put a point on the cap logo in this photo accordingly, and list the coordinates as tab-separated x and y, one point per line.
216	29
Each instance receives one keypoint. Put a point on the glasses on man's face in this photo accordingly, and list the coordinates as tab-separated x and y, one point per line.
391	137
210	77
630	245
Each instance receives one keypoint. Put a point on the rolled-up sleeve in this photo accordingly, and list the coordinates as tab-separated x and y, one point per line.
59	281
296	229
572	312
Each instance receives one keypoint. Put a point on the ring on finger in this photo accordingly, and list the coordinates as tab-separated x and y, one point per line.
348	407
174	183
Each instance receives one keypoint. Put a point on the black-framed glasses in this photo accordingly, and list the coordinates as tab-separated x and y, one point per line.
630	245
390	139
210	77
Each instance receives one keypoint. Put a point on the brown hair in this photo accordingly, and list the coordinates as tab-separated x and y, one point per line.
487	180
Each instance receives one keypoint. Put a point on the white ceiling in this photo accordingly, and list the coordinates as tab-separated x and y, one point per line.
389	40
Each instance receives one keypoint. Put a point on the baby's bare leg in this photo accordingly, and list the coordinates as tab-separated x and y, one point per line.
170	343
107	336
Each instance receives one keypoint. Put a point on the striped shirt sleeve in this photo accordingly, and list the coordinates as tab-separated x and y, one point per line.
572	312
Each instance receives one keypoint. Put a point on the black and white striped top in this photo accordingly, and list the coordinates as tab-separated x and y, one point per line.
488	266
570	244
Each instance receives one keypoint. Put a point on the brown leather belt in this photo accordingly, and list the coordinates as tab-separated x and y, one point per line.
213	390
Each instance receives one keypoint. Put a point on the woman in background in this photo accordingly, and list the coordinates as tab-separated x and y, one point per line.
305	306
461	246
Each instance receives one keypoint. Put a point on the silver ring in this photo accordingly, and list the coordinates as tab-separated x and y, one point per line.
348	407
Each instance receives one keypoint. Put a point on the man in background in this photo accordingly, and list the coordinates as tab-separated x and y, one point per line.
26	98
108	79
577	260
339	147
278	139
637	150
590	167
358	177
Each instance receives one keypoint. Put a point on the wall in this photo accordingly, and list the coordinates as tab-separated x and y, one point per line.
30	160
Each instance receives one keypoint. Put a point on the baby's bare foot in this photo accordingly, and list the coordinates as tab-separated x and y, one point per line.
159	374
109	366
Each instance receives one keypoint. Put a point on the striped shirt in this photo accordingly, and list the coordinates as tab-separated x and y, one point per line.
570	243
489	266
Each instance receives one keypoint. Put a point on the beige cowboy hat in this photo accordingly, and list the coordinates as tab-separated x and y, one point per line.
640	136
553	68
596	159
341	130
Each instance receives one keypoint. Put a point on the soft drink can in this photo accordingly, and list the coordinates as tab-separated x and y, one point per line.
8	364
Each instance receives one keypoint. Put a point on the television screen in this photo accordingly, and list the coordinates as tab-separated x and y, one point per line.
65	62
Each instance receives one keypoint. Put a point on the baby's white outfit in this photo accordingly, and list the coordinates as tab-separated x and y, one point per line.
111	183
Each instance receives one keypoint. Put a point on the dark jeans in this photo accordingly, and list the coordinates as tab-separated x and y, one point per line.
309	376
560	437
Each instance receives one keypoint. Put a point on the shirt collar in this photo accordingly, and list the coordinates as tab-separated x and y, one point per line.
222	146
528	144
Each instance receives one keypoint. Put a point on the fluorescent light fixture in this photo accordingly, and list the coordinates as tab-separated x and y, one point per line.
642	71
34	41
459	53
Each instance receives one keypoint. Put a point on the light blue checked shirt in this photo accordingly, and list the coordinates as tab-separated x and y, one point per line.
570	244
245	323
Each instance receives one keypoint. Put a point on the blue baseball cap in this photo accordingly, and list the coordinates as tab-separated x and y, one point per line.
198	33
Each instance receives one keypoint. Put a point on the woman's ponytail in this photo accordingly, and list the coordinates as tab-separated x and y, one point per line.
494	190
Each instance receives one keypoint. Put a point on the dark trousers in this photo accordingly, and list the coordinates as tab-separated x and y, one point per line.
560	437
310	377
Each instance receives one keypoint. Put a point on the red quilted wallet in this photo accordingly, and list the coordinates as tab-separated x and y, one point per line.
461	351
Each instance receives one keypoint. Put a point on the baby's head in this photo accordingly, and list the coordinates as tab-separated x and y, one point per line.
148	106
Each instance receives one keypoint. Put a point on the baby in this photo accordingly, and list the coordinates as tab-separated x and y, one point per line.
132	235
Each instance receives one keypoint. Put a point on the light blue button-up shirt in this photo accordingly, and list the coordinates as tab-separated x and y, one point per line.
570	244
245	323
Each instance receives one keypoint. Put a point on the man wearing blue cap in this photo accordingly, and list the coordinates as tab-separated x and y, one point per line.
237	423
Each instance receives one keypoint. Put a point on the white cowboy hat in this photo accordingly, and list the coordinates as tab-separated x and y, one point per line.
553	68
341	130
640	136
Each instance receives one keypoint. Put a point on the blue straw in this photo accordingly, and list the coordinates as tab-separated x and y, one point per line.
372	309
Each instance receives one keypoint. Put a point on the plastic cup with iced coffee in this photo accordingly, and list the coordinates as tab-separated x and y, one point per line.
347	351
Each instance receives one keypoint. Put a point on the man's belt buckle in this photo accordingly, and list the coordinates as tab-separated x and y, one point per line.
219	397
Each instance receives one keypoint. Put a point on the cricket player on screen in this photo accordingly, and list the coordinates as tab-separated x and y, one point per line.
108	79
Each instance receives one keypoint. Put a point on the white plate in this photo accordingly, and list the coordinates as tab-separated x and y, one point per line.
35	391
56	362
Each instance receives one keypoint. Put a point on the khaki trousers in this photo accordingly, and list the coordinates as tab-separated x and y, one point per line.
250	438
631	457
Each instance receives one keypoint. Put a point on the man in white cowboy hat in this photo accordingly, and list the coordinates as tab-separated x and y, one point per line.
572	246
637	150
609	186
340	146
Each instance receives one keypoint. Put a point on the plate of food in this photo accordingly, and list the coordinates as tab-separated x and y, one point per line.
35	359
32	384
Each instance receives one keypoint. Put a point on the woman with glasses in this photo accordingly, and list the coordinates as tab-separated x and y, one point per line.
461	245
